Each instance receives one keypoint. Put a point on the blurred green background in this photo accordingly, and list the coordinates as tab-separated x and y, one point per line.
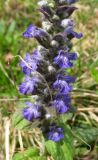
15	16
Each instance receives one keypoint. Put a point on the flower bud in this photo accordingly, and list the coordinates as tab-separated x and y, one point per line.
51	69
55	18
47	116
42	3
54	43
46	25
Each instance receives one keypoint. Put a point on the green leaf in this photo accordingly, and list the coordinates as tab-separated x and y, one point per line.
2	28
29	154
68	147
54	149
11	28
66	117
19	122
10	33
19	156
24	124
39	158
94	73
81	151
87	134
16	118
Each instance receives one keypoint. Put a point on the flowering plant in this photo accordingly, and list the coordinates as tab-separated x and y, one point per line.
45	70
46	77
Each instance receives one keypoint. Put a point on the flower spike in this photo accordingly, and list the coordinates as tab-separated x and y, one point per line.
45	69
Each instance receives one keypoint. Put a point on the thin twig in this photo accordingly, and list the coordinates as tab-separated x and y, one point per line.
83	90
31	140
84	95
20	141
7	132
16	99
92	109
13	143
38	143
85	116
93	116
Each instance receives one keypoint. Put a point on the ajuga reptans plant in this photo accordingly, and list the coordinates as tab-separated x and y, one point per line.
45	70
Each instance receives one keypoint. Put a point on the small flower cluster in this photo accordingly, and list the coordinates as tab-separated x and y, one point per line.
46	68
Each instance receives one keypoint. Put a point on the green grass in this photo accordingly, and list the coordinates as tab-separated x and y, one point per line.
12	43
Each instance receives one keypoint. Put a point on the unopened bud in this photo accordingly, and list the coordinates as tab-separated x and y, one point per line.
46	25
51	69
47	116
54	43
55	17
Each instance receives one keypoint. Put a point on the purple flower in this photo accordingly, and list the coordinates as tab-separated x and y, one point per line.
71	56
67	78
63	59
71	34
65	97
31	112
33	31
67	22
62	85
61	106
71	1
38	33
32	61
55	133
30	32
29	84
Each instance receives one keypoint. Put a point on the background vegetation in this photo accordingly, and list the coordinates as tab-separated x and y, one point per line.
15	16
